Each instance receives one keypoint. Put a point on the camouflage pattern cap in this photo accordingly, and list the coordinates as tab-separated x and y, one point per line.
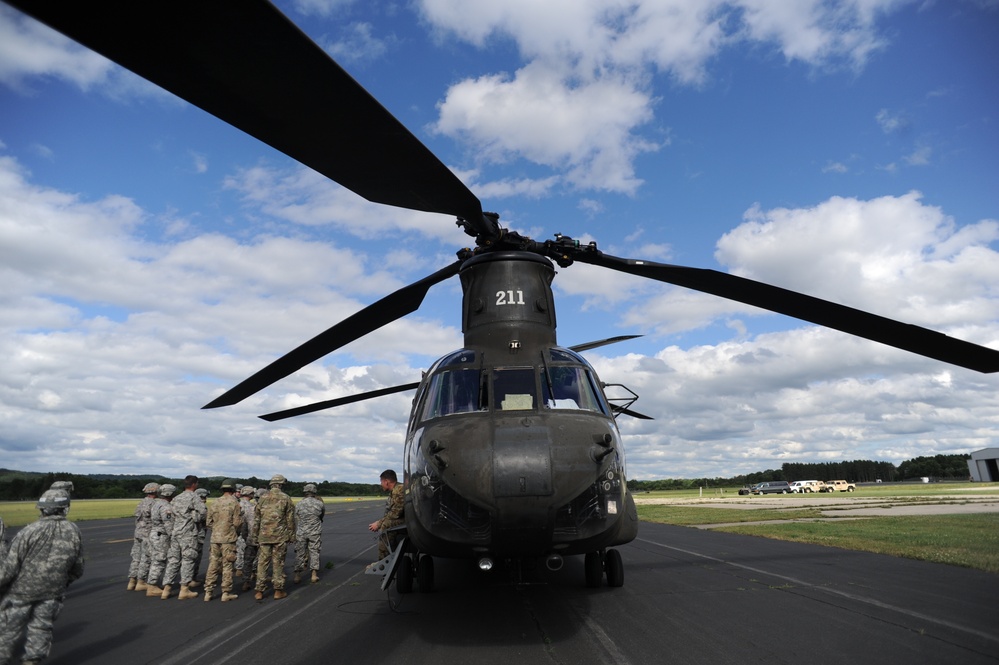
309	489
202	492
66	485
247	491
54	500
278	479
167	489
151	488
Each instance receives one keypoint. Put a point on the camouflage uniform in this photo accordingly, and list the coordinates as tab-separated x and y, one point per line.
188	512
45	557
202	531
161	516
139	568
224	519
309	515
273	529
394	506
250	545
3	542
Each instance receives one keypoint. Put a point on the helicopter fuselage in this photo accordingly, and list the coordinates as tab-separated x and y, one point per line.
512	448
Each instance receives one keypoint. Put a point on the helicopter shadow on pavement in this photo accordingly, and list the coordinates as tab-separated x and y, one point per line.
493	612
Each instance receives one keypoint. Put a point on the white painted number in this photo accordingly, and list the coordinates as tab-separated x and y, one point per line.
509	297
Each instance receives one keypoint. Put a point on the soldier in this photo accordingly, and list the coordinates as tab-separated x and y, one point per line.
273	529
188	511
249	571
309	515
3	542
161	517
393	513
45	557
139	567
202	532
225	518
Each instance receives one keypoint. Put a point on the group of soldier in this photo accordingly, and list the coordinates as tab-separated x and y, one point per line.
250	533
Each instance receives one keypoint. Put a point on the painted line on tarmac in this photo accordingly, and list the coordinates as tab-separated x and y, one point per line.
221	640
845	594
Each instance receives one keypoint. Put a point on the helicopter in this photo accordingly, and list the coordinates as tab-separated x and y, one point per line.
512	449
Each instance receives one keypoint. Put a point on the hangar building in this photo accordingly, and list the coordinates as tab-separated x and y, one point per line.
984	465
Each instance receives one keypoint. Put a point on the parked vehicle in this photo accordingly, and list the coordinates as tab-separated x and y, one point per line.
807	486
772	487
839	486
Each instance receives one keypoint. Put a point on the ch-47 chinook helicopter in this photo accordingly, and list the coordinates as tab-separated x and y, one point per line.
512	449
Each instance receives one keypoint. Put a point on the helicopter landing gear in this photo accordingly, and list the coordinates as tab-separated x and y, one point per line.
404	575
425	573
418	567
597	563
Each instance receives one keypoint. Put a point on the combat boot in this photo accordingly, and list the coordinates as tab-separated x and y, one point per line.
247	585
297	578
226	596
279	594
153	590
185	592
258	595
315	576
166	591
193	584
131	584
140	584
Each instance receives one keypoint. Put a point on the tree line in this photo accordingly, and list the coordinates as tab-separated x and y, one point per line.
24	485
937	467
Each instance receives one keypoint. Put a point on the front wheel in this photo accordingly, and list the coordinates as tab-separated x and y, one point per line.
425	573
594	569
614	567
404	575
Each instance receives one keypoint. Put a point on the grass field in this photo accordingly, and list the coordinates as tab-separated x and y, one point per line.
19	513
971	540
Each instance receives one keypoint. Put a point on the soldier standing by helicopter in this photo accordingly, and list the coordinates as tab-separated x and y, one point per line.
161	518
139	567
45	557
394	507
309	515
273	529
249	570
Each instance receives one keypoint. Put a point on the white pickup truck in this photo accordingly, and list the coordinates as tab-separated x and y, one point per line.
839	486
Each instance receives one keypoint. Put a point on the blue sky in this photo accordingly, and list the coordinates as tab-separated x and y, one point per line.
153	256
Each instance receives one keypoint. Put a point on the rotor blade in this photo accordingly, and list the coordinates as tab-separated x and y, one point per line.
329	404
393	306
579	348
246	63
905	336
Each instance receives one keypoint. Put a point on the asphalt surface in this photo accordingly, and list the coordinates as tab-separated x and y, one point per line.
690	596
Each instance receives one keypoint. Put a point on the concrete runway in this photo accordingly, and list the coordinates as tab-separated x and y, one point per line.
690	596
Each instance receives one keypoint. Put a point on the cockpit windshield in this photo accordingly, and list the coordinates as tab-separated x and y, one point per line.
567	387
455	391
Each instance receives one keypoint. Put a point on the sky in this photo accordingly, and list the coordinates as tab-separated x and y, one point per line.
152	256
